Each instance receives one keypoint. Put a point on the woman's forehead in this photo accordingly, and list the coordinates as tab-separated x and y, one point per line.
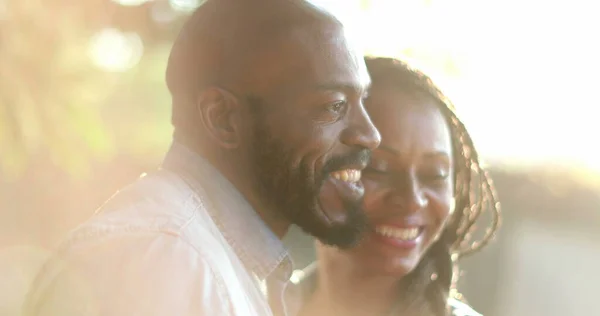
409	121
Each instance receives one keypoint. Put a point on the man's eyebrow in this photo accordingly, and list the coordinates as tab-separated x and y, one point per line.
363	90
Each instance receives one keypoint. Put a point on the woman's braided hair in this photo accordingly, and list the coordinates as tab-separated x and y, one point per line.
425	290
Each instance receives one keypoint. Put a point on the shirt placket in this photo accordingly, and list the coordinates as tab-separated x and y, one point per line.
279	294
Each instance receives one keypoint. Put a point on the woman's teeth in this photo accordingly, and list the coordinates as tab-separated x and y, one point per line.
347	175
407	234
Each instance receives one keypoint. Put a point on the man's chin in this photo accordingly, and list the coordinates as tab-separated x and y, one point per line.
342	237
342	233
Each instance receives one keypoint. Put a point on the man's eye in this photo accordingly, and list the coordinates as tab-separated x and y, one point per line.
337	107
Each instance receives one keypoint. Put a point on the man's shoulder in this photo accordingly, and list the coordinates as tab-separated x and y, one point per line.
180	263
101	272
154	232
159	194
156	206
159	202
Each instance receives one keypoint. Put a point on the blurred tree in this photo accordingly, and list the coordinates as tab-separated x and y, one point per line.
49	90
52	96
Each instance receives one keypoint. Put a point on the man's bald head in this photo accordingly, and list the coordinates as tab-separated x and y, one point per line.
223	42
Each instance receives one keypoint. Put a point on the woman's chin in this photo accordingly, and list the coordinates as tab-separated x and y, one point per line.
381	259
395	268
399	271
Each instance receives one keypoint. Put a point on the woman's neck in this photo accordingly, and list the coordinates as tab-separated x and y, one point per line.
345	290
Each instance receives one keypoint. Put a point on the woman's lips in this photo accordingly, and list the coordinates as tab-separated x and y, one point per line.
399	237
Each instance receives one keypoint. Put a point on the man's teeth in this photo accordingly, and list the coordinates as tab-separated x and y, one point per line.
398	233
347	175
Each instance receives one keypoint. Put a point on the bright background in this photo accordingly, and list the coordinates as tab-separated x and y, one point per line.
84	110
524	74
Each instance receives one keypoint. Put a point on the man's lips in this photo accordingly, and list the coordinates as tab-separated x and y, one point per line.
347	175
356	162
339	191
347	182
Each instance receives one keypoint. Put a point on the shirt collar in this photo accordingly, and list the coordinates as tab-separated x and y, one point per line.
259	249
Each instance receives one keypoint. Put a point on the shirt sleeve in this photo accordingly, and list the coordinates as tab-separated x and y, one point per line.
154	274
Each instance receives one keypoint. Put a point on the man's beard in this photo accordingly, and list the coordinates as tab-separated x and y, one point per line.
294	194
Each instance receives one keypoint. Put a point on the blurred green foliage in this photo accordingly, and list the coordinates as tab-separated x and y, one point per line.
56	103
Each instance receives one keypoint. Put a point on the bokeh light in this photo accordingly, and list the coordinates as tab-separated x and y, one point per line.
162	12
131	2
112	50
185	5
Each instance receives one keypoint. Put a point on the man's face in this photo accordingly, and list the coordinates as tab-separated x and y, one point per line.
312	137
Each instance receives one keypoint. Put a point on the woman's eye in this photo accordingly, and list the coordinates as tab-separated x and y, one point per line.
437	177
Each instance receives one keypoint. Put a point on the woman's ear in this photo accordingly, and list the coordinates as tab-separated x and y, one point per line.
220	114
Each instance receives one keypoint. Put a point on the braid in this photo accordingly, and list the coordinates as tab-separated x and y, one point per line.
425	290
438	285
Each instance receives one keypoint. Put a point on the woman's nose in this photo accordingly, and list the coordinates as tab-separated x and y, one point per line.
409	196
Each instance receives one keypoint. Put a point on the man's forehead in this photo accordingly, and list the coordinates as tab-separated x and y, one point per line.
365	78
346	71
324	59
359	86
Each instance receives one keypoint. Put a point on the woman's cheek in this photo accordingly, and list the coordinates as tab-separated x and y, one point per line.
373	195
443	207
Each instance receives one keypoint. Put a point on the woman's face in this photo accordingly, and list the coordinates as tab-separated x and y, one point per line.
408	184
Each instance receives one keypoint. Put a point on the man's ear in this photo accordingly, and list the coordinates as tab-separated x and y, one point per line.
220	114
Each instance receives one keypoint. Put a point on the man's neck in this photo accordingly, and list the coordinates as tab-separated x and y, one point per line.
237	173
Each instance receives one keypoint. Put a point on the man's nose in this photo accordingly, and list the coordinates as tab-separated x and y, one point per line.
361	132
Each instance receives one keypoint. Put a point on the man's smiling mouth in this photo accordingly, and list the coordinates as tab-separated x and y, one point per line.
347	175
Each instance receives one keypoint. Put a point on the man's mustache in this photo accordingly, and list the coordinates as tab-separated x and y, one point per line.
360	157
